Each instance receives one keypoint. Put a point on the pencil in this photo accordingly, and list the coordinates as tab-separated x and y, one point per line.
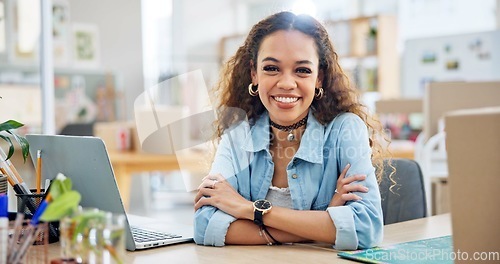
18	187
18	177
9	167
38	171
11	182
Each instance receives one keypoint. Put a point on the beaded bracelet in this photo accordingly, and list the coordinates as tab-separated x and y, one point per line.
266	234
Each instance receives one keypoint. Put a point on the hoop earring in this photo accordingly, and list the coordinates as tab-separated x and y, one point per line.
251	89
318	94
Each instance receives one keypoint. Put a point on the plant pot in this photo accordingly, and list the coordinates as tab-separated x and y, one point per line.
93	236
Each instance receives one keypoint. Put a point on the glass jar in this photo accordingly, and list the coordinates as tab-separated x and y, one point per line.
93	236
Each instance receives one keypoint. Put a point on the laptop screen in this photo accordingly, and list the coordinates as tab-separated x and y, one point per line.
85	161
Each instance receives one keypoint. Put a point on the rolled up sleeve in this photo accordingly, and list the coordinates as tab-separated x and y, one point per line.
359	224
210	223
211	226
343	219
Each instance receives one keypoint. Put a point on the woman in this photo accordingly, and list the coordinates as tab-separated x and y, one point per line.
300	169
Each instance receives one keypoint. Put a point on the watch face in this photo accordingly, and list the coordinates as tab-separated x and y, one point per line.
262	204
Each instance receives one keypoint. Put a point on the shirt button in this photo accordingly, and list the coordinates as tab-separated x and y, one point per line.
295	176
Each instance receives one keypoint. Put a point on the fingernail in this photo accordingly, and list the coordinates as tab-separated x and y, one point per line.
366	189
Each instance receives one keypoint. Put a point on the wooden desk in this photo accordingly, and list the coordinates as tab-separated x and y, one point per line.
126	163
402	149
434	226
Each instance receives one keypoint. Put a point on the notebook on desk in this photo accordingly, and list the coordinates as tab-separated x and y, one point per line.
85	160
430	251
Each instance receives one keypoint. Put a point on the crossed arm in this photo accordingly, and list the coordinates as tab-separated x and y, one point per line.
286	225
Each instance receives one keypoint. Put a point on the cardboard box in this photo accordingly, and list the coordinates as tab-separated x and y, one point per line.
440	196
402	106
118	136
443	97
473	147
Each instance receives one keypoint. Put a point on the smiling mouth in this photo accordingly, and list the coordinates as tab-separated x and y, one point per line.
286	100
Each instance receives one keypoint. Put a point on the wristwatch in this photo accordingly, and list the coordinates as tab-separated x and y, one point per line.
260	208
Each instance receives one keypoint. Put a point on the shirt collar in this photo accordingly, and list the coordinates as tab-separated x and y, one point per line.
258	138
311	145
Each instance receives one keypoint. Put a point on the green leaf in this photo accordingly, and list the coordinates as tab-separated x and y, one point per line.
25	146
59	187
7	126
60	207
11	146
10	124
66	185
56	189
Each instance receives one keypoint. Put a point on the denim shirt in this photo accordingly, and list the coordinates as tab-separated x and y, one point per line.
243	158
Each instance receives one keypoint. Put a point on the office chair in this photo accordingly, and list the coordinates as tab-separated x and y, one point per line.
406	200
78	129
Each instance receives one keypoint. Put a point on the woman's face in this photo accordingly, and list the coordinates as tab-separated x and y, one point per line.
287	73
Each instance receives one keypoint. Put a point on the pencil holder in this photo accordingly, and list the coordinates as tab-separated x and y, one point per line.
36	199
23	246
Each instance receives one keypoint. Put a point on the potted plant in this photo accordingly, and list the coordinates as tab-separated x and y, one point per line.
85	233
8	126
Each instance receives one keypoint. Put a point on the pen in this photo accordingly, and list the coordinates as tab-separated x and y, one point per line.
17	228
11	170
11	182
31	232
39	211
38	171
17	187
47	198
47	184
27	238
4	225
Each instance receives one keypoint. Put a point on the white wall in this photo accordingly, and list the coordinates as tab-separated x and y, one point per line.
197	30
428	26
430	18
120	36
498	14
476	56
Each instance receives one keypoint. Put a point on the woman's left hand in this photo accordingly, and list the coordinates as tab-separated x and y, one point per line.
345	188
216	191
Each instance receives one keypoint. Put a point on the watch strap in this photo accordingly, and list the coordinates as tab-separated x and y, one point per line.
257	218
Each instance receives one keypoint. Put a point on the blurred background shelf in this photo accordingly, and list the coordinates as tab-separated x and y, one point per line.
367	49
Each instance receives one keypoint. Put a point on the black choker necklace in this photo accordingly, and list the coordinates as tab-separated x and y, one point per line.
290	128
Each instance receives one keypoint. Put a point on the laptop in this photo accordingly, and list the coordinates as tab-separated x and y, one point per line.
85	160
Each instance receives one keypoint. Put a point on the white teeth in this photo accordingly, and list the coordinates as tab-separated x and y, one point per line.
286	99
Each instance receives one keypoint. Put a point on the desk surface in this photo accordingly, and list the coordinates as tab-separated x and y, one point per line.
430	227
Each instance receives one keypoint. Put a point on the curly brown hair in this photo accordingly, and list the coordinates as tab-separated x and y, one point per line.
339	96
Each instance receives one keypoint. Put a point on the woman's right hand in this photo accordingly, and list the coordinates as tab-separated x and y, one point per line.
344	191
216	191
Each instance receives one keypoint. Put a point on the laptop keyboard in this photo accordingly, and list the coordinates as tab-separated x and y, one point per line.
143	235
